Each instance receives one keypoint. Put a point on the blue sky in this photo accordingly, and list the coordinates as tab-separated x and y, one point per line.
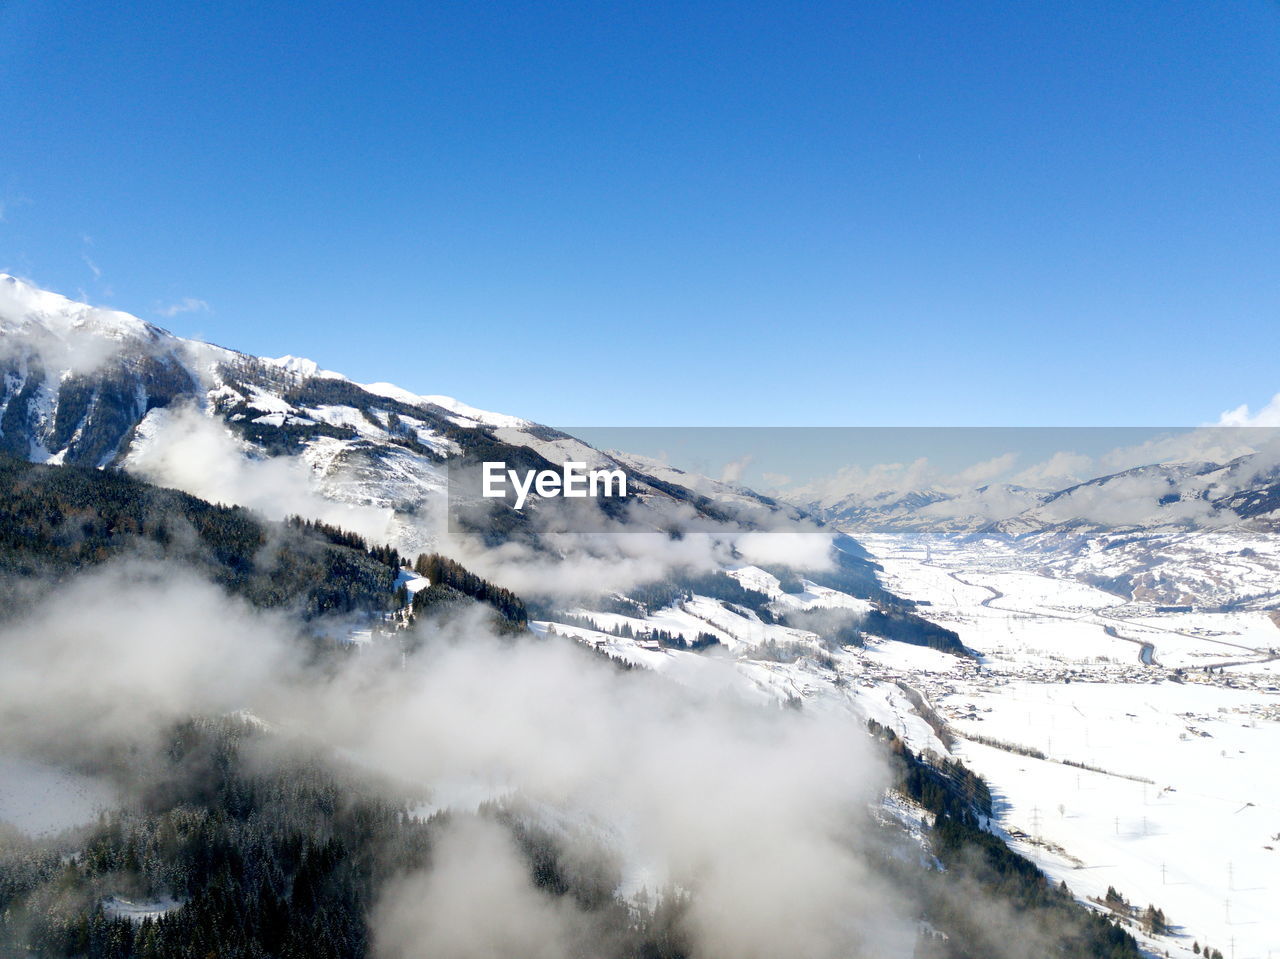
702	214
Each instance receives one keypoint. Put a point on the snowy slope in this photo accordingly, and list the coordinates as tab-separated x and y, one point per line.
98	387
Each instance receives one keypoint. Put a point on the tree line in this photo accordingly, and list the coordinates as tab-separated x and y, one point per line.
58	520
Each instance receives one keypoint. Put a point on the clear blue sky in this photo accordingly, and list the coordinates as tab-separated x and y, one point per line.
675	213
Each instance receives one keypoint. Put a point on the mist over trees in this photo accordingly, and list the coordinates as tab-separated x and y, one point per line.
55	521
313	832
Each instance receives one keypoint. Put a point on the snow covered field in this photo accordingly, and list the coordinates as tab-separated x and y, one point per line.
1180	804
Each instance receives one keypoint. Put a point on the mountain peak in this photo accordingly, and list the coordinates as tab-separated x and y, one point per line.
301	366
24	306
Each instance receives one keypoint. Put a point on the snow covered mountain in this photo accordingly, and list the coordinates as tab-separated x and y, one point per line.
1176	533
1200	534
80	381
928	510
76	381
97	387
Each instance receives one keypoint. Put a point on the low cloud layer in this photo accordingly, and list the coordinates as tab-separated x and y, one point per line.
476	902
120	652
184	449
653	542
758	813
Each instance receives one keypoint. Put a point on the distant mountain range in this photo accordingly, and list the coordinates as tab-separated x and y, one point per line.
1177	533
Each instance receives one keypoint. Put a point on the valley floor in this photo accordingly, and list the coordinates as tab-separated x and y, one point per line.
1126	747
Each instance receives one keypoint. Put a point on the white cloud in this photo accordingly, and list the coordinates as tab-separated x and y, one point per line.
703	785
189	451
1268	415
476	902
986	471
696	786
59	344
732	472
1060	470
188	304
121	674
801	550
